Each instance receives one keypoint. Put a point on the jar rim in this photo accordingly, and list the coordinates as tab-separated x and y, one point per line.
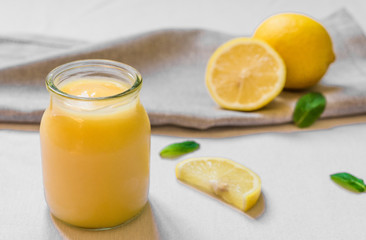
51	86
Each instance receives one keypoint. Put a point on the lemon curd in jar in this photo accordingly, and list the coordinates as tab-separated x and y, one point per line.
95	141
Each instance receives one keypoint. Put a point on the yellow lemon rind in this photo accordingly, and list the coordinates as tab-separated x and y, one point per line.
304	44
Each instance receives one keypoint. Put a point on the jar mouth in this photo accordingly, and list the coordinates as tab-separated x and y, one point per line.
84	68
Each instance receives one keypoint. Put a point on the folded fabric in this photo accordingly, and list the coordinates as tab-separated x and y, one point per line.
172	63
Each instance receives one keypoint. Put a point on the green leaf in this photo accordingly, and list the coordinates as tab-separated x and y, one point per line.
308	109
177	149
348	181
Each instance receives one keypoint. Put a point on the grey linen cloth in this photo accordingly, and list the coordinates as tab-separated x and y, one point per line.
172	63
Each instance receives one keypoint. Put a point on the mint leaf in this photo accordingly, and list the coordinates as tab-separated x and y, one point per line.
177	149
348	181
308	109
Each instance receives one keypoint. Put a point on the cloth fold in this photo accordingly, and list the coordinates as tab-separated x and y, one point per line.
172	63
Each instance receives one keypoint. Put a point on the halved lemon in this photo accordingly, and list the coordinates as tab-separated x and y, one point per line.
245	74
222	178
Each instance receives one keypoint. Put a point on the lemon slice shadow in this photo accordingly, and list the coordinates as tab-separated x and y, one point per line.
255	212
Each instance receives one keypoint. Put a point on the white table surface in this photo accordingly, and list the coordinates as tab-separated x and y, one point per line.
299	200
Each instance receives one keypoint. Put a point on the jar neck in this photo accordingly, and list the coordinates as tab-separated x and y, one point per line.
60	102
103	70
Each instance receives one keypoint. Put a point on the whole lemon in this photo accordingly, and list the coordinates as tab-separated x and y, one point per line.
303	43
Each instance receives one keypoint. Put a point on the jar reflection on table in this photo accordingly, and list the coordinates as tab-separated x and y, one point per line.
95	150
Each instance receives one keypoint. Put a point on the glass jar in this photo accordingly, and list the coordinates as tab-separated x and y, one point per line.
95	148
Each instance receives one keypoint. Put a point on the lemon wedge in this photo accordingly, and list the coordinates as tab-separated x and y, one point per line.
222	178
245	74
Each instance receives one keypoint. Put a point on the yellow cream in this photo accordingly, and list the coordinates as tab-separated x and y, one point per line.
95	161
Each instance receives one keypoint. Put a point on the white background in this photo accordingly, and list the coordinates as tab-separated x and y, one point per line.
98	20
